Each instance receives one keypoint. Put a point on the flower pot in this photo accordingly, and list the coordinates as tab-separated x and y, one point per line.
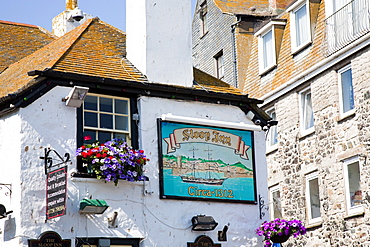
279	239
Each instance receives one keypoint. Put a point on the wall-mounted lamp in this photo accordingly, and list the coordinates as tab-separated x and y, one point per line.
92	206
203	223
76	96
3	212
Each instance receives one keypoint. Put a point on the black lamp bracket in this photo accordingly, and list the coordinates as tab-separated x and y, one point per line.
48	160
262	206
9	187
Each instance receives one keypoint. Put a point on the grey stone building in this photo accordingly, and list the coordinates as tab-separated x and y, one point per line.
311	66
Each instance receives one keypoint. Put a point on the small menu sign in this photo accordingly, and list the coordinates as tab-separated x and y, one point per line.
56	193
49	239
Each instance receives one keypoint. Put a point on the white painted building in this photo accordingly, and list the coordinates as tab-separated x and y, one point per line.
35	122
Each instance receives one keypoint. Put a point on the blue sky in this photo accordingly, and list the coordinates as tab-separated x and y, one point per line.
41	12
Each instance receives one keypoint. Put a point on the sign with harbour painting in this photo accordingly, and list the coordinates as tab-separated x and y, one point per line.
199	162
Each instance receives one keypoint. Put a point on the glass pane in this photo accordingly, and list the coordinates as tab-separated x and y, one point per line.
314	198
308	116
91	103
91	119
354	184
121	106
276	204
273	130
106	104
119	136
121	123
268	50
89	136
106	121
347	91
104	136
301	25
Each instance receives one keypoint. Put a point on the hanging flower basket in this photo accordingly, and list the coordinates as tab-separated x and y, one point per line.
279	230
275	238
113	160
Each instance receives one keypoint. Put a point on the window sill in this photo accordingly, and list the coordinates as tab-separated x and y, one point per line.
314	224
204	34
267	70
90	178
270	149
300	48
307	132
347	114
355	211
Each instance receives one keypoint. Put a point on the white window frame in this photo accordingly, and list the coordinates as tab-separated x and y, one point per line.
303	109
203	11
309	177
343	114
127	132
272	190
272	132
220	65
294	28
262	53
351	209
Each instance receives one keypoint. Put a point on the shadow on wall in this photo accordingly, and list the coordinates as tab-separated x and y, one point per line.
9	229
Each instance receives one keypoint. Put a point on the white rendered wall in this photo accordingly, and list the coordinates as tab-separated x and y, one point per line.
49	123
159	40
62	25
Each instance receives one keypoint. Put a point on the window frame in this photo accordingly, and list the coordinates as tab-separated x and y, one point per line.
203	11
127	132
262	53
272	190
295	47
317	220
272	132
219	65
340	72
356	209
303	110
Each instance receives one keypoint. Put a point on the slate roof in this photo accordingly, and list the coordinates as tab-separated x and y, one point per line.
95	49
18	40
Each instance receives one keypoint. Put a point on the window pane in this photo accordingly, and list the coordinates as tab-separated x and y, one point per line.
91	103
347	91
121	106
91	119
301	25
354	184
106	105
276	204
120	136
273	131
121	123
314	198
308	112
268	50
104	136
106	121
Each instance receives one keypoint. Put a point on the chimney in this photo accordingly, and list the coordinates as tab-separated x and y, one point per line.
159	40
69	19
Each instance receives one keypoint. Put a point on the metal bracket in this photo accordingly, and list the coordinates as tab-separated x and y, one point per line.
48	161
9	187
262	205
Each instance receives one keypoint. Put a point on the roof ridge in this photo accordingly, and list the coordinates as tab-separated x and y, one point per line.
19	24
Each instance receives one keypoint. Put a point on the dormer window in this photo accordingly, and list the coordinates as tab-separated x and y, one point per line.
300	25
269	41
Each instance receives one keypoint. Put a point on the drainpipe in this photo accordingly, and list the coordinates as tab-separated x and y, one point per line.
233	27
